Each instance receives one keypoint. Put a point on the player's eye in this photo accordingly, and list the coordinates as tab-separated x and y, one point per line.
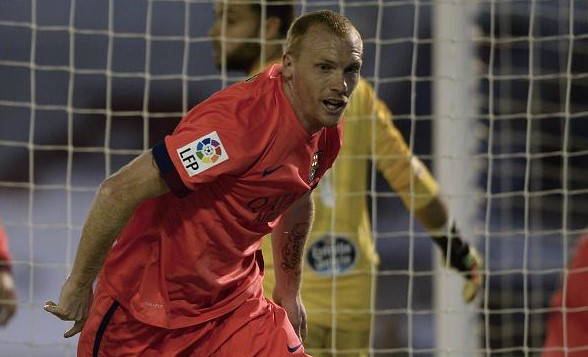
353	68
324	66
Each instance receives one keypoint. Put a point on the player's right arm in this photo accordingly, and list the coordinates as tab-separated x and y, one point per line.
114	203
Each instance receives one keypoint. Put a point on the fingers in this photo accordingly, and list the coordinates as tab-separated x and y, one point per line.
474	278
54	309
303	331
300	329
75	329
470	290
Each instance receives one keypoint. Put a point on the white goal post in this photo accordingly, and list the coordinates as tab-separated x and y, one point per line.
455	114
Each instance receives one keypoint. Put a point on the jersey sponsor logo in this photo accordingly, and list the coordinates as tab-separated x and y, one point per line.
321	252
202	154
295	348
314	165
268	209
270	170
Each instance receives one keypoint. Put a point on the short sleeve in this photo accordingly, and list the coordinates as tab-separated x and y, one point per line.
210	141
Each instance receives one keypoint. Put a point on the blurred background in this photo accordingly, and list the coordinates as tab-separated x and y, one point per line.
87	85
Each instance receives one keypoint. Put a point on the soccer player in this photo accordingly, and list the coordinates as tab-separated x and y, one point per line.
7	287
174	236
340	199
571	341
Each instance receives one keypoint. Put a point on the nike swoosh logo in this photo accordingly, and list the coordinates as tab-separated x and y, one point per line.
294	349
269	170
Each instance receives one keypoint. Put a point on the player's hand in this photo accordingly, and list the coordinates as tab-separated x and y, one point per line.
464	258
295	310
74	304
7	297
474	278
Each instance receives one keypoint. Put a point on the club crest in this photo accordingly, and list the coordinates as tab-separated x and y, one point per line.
314	165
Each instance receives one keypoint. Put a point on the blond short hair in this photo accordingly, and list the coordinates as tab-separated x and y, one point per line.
331	21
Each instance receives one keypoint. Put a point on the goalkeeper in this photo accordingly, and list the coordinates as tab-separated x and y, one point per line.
340	199
7	287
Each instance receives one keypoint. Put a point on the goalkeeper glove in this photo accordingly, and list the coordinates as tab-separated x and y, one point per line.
462	257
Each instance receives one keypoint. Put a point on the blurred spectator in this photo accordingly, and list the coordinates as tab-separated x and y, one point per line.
7	288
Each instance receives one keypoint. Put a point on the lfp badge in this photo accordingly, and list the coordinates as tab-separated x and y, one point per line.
202	154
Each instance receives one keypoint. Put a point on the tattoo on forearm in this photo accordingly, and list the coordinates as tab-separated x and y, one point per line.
292	251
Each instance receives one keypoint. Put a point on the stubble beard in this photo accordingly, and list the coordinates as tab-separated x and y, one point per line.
242	58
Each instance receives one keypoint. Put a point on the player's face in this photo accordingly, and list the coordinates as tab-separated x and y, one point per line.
320	78
238	40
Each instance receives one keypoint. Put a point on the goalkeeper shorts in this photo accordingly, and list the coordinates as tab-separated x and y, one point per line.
259	327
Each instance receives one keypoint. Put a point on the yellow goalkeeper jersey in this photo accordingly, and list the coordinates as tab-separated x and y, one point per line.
338	291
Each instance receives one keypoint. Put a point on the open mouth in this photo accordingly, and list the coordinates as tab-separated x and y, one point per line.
334	105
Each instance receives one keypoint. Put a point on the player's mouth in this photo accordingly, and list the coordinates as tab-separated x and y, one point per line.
334	106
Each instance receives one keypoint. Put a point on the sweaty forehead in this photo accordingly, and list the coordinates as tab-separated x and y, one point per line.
323	39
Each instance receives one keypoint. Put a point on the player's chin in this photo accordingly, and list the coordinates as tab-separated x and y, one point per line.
332	117
331	121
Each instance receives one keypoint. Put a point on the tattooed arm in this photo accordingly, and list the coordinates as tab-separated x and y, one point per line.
288	240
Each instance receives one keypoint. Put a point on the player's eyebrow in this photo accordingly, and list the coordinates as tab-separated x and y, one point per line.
325	60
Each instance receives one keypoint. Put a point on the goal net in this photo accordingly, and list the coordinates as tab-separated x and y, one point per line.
534	157
491	95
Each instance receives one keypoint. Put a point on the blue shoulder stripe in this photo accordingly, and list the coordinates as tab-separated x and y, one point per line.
168	170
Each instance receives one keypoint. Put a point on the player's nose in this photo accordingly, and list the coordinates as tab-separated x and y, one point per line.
338	82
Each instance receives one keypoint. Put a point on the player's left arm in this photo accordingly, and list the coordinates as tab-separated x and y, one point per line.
420	193
288	239
457	253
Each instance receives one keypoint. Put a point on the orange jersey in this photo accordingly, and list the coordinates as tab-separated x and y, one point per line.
4	252
234	164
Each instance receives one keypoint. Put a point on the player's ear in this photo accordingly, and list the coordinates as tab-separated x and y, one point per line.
287	65
272	28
